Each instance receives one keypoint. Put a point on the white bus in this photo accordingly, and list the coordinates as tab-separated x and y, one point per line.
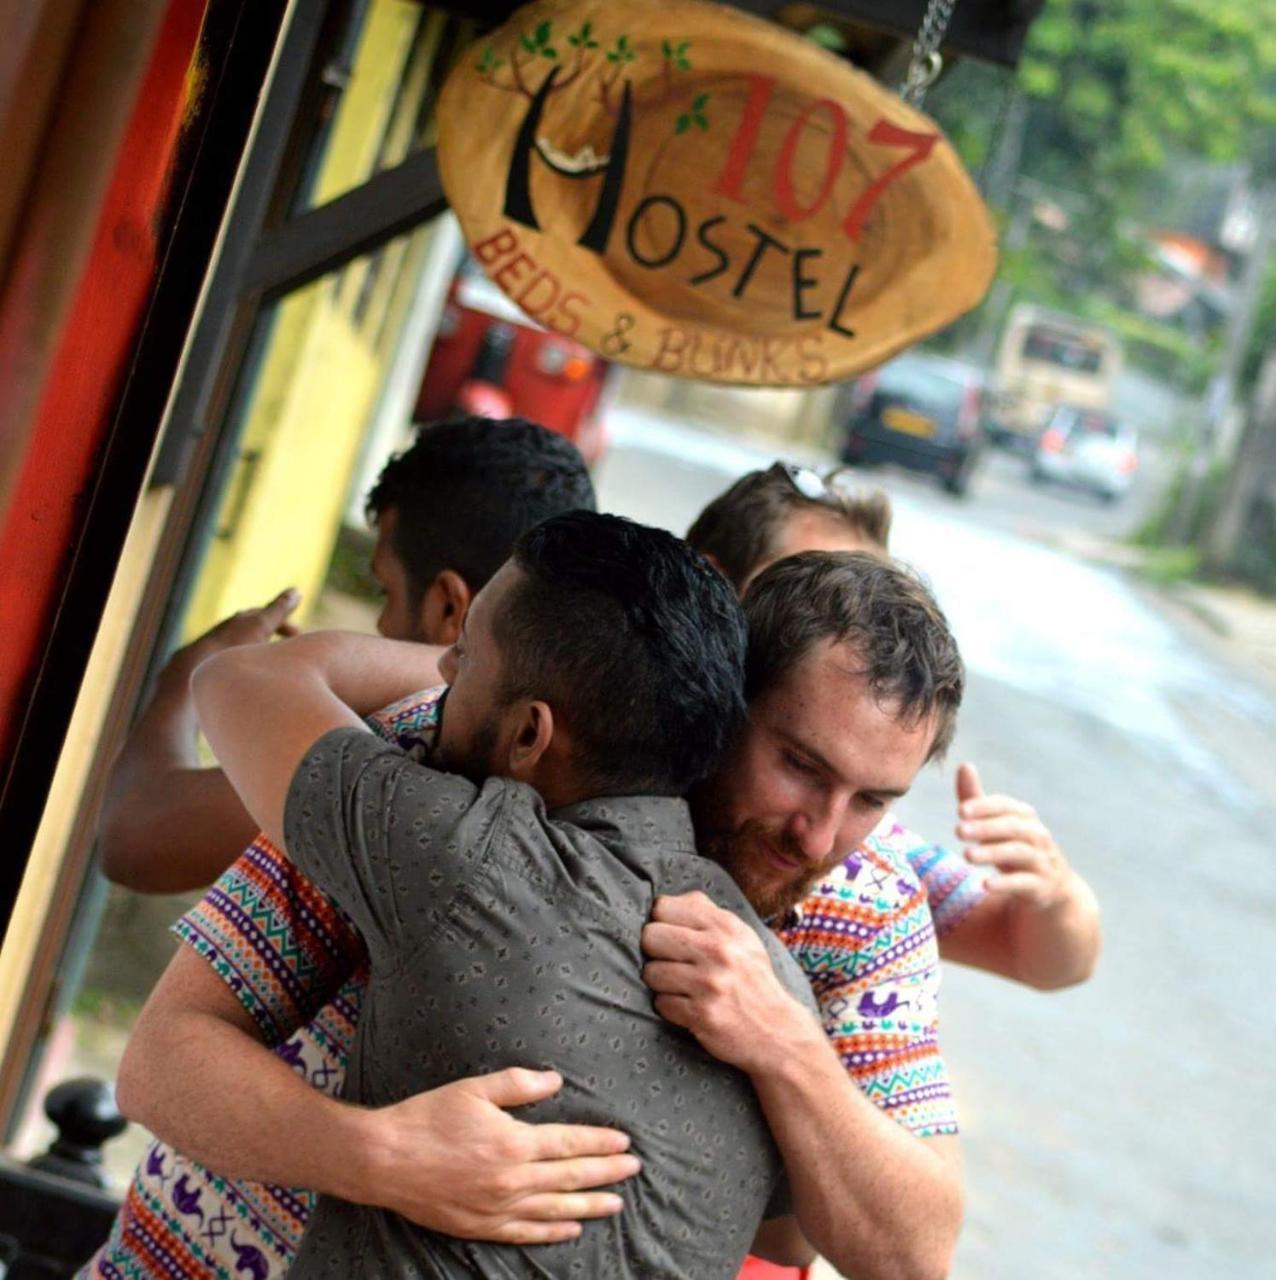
1047	359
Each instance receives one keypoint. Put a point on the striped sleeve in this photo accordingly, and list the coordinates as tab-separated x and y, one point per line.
953	886
277	940
865	940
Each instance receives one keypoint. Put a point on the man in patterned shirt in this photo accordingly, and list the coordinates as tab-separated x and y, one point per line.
1035	919
866	935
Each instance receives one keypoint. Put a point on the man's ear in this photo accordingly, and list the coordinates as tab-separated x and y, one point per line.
443	608
533	734
713	560
717	564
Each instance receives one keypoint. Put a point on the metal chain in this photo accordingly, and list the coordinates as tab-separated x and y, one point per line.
926	61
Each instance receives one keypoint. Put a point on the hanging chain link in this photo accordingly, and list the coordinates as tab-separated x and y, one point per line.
926	61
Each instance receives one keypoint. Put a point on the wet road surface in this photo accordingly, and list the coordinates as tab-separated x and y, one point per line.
1122	1129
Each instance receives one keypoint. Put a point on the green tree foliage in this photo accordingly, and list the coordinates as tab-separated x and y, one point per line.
1119	94
1118	87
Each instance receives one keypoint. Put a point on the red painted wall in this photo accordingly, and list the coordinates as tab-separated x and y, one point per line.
93	356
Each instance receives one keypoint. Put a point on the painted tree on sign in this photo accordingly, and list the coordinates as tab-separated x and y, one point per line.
538	46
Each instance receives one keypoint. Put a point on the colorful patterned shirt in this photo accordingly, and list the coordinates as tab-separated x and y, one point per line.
288	952
865	940
295	961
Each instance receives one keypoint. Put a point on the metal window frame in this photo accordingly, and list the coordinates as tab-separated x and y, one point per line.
262	253
273	255
238	37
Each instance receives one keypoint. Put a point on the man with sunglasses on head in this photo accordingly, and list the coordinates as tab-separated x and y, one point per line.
1011	904
869	907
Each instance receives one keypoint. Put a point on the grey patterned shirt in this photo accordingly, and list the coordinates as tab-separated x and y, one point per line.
501	935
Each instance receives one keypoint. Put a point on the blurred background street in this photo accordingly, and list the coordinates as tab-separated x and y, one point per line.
1122	1129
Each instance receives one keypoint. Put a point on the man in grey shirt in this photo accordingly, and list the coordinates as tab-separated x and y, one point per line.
604	661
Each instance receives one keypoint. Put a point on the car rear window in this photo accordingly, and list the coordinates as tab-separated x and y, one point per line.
1095	424
938	389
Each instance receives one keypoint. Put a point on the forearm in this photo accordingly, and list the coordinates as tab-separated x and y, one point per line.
1043	947
874	1199
175	830
1057	946
878	1202
1038	921
262	707
157	788
365	673
450	1159
214	1093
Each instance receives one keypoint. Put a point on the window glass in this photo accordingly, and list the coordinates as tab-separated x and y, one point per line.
378	92
1096	424
1054	346
325	389
922	384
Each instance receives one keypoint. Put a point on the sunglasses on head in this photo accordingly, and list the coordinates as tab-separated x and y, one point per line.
809	483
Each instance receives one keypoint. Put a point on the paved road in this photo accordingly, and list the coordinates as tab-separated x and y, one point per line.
1123	1129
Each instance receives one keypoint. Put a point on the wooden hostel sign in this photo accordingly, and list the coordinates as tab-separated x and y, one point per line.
687	189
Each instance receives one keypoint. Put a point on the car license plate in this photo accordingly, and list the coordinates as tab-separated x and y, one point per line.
912	424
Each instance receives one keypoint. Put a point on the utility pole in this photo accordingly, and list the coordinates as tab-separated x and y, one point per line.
998	183
1253	470
995	306
1218	400
998	180
1240	324
1024	196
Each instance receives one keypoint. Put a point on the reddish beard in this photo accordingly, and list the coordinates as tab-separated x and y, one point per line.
769	891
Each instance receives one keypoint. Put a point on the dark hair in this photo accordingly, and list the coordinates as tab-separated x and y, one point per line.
467	489
741	527
881	610
637	644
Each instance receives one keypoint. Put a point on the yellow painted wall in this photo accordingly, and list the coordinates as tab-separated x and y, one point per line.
326	350
277	517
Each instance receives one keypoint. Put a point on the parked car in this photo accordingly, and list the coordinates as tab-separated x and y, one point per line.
923	412
1086	448
491	359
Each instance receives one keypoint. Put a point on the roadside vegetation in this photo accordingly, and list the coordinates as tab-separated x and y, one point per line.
1129	126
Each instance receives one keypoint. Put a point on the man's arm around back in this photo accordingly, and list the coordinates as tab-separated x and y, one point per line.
877	1201
451	1159
262	707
